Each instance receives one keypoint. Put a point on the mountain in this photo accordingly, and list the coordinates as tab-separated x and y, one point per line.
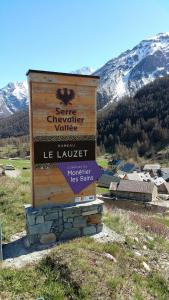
14	125
133	69
137	125
13	98
84	71
119	77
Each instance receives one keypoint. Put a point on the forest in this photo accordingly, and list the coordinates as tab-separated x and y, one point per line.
15	125
138	124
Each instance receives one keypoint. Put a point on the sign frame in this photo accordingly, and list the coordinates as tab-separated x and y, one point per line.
40	79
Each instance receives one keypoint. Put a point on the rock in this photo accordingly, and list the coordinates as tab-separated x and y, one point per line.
68	225
146	266
70	233
136	239
48	238
99	228
110	257
134	247
94	219
90	212
26	242
39	219
89	230
70	220
52	216
31	219
137	253
70	212
79	222
150	238
40	228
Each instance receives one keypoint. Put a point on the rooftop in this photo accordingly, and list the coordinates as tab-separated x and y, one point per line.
152	167
135	186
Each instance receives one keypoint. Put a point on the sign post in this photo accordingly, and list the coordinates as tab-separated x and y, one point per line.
63	130
62	138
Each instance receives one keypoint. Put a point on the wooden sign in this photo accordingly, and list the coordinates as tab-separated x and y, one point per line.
63	131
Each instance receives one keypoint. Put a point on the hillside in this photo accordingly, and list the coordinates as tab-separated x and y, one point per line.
15	125
133	264
140	123
133	69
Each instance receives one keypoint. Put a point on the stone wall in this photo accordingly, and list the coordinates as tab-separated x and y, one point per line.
145	197
50	224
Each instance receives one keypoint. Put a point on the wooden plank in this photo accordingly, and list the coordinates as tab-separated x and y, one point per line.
51	117
65	80
51	195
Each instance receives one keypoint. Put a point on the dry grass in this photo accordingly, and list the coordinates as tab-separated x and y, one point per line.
150	225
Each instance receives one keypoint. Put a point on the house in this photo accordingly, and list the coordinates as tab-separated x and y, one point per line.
145	176
121	174
134	190
133	176
153	168
138	176
105	180
149	167
161	184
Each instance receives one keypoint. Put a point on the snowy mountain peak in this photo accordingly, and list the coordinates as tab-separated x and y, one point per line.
161	35
133	69
84	71
13	97
120	76
17	89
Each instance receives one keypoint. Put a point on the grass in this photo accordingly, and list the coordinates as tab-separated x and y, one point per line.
164	221
102	190
102	161
81	269
14	193
19	164
8	150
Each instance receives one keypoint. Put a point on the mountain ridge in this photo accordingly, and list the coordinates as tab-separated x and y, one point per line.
14	96
120	76
132	69
139	125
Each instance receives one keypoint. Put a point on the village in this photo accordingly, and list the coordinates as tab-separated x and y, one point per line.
123	180
127	181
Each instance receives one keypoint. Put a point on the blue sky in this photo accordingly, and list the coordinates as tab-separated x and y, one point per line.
64	35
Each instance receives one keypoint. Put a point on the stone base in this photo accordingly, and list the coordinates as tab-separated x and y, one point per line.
47	225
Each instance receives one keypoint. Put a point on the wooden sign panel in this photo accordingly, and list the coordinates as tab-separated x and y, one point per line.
63	130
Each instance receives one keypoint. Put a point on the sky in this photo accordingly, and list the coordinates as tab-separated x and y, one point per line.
65	35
